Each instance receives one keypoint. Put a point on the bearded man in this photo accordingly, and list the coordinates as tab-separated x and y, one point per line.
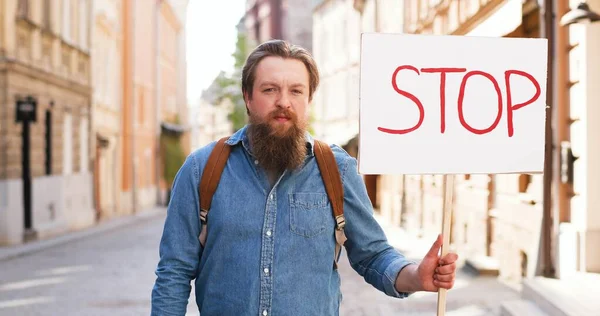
270	241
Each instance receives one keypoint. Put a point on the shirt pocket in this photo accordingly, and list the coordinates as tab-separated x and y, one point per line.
308	213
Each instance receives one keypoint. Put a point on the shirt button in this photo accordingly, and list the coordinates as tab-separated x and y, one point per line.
272	197
268	233
266	271
265	312
256	162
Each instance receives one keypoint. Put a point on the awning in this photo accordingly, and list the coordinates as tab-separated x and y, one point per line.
505	19
173	128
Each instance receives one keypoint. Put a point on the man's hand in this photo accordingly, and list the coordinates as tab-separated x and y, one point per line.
431	274
435	272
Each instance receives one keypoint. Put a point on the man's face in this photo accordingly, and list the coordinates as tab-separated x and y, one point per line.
280	94
278	113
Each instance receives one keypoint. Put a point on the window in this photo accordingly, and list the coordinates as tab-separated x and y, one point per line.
66	20
46	18
83	145
23	8
524	181
68	144
83	25
48	134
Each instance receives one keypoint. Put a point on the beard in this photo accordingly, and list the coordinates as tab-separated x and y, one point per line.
278	147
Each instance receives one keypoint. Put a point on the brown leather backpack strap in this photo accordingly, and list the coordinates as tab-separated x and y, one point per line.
210	180
335	191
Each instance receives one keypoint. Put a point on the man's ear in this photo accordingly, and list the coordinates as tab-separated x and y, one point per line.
247	101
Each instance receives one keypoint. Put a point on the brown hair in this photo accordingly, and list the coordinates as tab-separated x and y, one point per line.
282	49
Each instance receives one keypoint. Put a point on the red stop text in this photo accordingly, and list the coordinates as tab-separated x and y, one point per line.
511	106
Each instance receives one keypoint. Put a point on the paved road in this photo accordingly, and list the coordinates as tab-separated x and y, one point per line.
112	274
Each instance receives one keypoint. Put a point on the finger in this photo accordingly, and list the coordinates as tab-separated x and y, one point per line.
449	258
435	248
446	269
443	285
444	277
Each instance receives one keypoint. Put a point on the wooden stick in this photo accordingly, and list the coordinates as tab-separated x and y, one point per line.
448	187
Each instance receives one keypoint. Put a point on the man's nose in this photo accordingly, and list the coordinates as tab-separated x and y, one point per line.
284	101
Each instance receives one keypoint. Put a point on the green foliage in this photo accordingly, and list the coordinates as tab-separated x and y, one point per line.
173	156
238	116
241	51
229	86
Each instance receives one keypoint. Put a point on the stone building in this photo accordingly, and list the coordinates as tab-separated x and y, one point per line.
498	219
45	172
153	97
337	28
108	21
290	20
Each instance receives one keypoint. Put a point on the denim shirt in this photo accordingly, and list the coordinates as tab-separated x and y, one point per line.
269	249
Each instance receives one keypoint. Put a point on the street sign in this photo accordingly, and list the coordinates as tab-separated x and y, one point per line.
26	110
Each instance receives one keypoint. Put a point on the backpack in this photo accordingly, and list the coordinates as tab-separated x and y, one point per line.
329	172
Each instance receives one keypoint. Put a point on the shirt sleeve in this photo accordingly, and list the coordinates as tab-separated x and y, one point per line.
180	248
368	250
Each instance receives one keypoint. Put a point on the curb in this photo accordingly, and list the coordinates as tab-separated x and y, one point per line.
12	252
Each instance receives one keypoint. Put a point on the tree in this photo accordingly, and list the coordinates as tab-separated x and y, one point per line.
230	85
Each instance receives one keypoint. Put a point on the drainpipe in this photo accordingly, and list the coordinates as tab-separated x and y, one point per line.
157	96
133	111
3	138
547	30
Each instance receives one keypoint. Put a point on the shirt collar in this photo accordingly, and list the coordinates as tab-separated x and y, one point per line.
241	136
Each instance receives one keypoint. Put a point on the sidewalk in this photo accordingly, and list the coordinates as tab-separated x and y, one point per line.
472	295
411	246
10	252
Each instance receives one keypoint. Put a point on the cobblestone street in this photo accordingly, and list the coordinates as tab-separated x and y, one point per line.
112	274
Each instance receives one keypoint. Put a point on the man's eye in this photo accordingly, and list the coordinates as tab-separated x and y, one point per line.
269	90
297	92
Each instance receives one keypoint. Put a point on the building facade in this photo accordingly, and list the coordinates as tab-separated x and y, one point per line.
171	78
497	221
45	101
211	122
338	25
290	20
578	114
107	103
154	90
496	218
499	218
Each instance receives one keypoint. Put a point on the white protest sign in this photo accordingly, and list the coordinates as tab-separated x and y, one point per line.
451	104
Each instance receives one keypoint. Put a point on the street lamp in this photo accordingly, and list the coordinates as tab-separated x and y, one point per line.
581	14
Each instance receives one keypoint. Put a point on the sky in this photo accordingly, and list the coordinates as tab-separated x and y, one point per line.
211	37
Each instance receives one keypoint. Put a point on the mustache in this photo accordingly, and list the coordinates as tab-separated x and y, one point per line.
284	113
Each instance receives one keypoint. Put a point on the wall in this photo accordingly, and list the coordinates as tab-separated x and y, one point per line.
106	57
54	67
585	98
336	38
144	102
494	216
297	23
